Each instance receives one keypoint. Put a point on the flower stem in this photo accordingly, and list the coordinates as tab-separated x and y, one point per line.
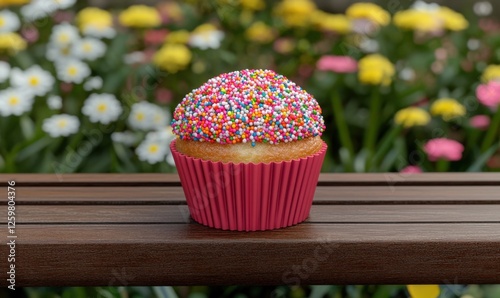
442	165
384	146
373	123
343	130
492	131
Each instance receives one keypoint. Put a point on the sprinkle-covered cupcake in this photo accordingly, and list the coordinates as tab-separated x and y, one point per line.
248	151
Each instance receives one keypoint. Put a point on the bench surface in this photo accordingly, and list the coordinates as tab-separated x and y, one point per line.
134	229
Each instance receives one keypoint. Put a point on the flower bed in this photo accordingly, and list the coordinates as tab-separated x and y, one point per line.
402	89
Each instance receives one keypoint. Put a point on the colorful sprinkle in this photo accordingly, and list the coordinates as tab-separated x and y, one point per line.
255	106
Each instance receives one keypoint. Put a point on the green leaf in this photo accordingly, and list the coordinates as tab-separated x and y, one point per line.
165	292
319	291
75	292
27	127
483	159
34	148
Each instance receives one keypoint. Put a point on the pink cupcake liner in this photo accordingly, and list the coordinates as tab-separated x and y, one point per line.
248	196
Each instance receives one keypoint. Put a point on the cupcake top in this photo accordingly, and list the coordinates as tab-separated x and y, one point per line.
255	106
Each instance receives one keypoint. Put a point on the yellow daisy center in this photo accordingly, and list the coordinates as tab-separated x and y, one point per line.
87	47
153	148
139	116
102	108
14	101
63	38
34	81
62	123
72	71
65	51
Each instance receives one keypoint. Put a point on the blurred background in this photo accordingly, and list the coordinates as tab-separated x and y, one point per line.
405	86
89	86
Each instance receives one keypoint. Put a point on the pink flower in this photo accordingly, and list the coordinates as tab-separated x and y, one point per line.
481	122
163	95
339	64
489	94
63	16
284	45
30	34
494	161
155	37
411	170
442	148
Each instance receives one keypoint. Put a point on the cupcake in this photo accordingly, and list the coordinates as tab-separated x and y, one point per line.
248	151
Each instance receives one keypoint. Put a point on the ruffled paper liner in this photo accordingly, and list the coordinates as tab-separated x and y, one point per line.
248	196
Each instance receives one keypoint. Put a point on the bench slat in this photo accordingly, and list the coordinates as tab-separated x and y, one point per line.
325	179
173	254
372	195
319	214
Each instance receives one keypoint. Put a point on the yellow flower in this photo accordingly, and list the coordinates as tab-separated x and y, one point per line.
295	13
180	37
375	69
448	108
331	22
12	42
430	20
423	291
172	57
412	116
172	10
93	16
140	16
13	2
491	73
253	4
260	32
416	20
453	20
369	11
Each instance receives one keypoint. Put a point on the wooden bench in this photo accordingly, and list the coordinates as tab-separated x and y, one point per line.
134	229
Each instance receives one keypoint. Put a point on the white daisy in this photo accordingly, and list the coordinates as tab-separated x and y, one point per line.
140	115
57	53
99	31
63	35
37	9
170	160
102	108
62	4
34	79
208	39
152	151
134	57
163	135
61	125
15	102
161	117
9	22
89	48
54	102
93	83
148	116
72	71
126	138
4	71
